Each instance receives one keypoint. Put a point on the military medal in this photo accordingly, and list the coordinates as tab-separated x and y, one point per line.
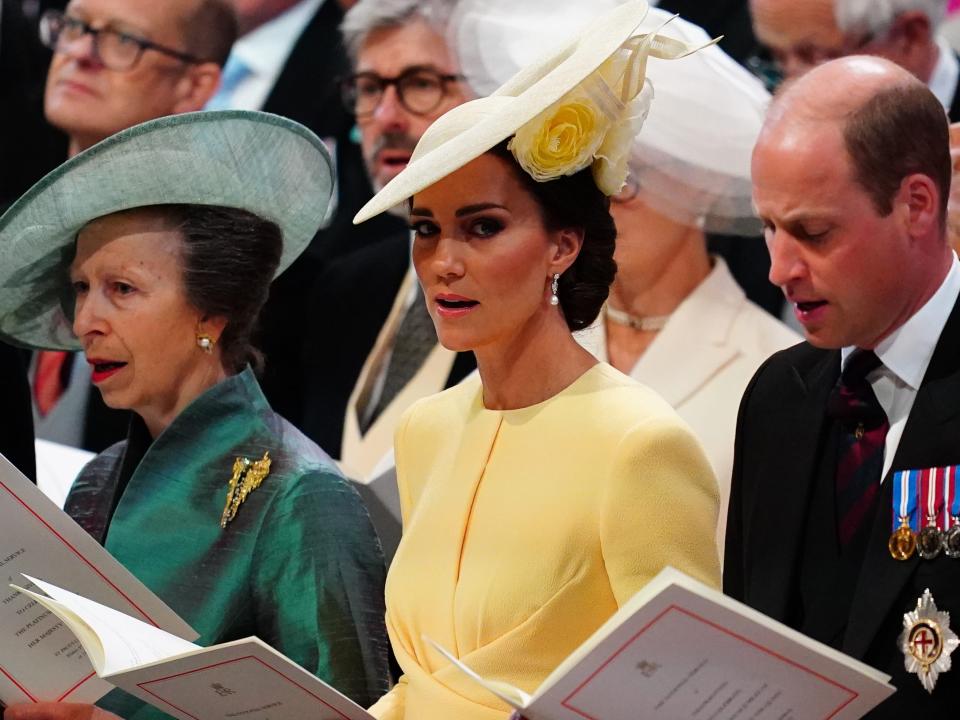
929	539
247	476
903	542
951	513
951	540
927	641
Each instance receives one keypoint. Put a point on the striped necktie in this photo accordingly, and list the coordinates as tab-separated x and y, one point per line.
416	337
863	429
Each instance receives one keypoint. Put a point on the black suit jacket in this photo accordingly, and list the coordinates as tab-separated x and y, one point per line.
307	91
29	146
779	467
729	18
349	308
16	418
954	112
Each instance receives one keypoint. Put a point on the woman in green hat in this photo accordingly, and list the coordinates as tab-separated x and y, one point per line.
153	253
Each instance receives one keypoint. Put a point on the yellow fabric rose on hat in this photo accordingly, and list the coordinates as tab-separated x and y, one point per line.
562	140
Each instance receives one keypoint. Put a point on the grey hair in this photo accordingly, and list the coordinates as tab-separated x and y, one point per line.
368	16
876	17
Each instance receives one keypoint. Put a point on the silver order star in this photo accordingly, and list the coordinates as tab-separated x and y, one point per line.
927	641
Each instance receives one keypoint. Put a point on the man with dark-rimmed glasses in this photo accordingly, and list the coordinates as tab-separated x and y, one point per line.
405	78
117	63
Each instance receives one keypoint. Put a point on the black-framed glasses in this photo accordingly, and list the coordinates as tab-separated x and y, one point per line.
115	49
419	89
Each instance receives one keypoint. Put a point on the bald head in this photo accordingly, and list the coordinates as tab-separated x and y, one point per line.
835	89
889	122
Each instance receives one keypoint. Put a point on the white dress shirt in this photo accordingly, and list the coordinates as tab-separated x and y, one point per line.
906	354
946	73
265	50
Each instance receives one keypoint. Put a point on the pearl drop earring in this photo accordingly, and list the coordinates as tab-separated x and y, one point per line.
554	286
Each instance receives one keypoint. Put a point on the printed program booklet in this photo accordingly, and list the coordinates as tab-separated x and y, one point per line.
40	659
240	679
676	651
679	650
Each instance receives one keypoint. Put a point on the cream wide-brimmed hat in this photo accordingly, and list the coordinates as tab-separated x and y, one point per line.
265	164
578	106
691	162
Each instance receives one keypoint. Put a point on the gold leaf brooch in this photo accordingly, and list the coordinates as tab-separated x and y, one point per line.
247	476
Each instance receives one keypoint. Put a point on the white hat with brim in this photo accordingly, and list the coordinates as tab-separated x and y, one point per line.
468	131
265	164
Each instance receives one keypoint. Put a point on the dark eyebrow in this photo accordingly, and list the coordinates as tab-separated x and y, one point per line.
470	209
462	212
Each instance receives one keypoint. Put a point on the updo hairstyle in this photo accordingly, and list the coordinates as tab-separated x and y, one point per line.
575	201
229	259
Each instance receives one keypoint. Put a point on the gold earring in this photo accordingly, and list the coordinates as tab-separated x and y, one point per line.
205	342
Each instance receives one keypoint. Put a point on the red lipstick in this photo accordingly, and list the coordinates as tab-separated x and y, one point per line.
103	369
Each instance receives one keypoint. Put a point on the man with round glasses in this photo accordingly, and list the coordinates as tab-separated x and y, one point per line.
118	63
405	78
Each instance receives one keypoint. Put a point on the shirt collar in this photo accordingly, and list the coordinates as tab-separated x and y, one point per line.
907	351
265	49
946	73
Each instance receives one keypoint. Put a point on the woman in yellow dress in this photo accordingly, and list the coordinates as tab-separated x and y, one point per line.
539	497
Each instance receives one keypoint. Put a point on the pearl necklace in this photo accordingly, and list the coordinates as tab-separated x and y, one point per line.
652	323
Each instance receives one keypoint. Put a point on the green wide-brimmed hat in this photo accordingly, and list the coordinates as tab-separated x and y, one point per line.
265	164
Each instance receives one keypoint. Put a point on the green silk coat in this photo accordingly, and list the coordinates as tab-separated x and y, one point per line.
299	566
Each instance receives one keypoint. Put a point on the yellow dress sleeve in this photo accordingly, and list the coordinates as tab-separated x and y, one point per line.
659	508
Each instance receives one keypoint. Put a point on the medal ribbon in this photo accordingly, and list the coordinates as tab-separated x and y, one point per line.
931	489
953	478
905	498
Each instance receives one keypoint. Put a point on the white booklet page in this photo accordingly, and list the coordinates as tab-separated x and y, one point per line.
40	659
241	679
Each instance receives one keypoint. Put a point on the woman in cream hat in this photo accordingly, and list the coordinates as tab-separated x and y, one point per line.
153	251
676	319
540	496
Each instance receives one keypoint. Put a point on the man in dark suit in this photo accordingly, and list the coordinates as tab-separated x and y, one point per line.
851	174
